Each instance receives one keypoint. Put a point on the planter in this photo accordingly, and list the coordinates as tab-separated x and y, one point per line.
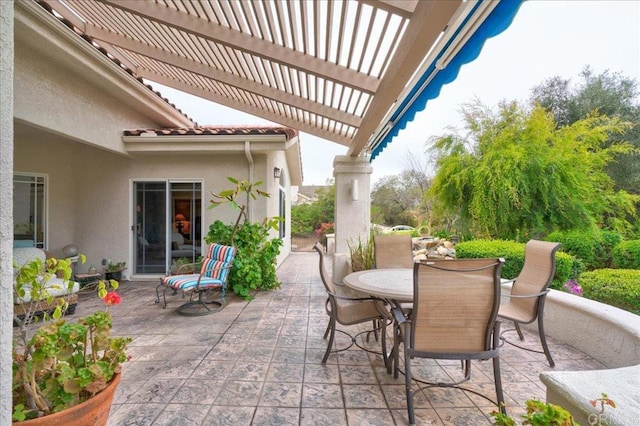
94	411
113	275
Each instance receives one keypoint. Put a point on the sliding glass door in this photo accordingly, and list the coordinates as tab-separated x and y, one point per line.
167	225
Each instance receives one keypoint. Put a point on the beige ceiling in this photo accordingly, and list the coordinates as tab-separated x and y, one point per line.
330	68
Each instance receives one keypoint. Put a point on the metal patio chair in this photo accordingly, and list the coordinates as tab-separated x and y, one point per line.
529	291
347	307
455	306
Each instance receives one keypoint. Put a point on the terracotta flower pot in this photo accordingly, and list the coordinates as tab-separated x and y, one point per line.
94	411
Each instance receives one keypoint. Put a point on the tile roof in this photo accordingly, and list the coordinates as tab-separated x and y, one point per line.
216	131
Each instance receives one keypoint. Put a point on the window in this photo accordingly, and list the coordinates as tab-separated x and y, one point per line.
29	210
283	214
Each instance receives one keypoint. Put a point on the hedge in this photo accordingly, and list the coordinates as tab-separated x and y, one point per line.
615	287
626	255
513	254
594	247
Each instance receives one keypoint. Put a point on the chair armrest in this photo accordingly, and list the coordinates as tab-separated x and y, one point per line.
526	296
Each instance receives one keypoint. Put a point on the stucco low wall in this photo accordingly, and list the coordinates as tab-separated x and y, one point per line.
607	334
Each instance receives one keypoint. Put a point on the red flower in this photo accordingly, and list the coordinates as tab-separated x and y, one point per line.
112	298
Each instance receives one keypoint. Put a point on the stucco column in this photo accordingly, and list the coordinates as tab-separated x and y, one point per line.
353	208
6	208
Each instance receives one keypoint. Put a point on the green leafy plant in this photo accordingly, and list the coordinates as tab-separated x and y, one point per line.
254	266
362	254
62	364
538	414
115	266
183	265
546	414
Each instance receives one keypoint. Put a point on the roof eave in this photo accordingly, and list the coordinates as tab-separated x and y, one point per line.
108	76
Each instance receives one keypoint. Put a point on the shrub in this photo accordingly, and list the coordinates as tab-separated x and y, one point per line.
513	254
615	287
254	267
594	247
626	255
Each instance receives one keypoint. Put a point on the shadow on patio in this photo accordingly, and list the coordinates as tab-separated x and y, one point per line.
258	363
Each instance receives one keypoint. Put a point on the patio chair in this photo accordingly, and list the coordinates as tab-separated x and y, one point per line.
213	275
348	307
455	306
393	251
529	291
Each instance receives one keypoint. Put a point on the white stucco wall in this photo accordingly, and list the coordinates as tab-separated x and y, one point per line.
90	191
6	207
65	102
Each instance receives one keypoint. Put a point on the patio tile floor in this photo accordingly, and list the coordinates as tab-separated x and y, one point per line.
258	363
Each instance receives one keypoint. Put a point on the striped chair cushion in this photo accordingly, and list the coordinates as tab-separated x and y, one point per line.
190	281
214	272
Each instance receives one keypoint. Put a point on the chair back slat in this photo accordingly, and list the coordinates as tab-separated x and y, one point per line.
393	251
536	275
455	304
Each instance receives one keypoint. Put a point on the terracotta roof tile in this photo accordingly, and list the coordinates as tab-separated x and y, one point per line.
216	131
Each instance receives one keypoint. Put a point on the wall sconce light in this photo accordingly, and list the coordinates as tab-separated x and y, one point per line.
354	189
277	172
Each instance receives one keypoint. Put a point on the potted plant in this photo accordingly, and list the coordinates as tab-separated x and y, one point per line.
113	271
64	369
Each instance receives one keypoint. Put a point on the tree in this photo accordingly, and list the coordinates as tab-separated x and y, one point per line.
399	199
304	217
517	175
609	94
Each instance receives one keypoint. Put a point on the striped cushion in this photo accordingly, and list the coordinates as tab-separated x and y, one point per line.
190	281
215	270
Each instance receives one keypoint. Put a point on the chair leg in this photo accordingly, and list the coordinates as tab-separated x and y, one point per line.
520	335
467	369
397	338
332	326
326	332
164	294
543	340
409	390
498	382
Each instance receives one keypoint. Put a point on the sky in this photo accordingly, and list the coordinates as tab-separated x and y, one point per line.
547	38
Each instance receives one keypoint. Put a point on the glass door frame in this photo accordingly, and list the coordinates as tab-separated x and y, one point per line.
169	220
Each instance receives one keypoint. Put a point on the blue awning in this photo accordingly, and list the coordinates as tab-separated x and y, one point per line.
431	82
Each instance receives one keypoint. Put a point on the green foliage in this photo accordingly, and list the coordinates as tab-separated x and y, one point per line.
362	254
538	414
615	287
518	176
63	364
627	254
593	247
254	267
610	94
513	254
304	217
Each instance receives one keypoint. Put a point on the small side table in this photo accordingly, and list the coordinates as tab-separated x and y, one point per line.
86	280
